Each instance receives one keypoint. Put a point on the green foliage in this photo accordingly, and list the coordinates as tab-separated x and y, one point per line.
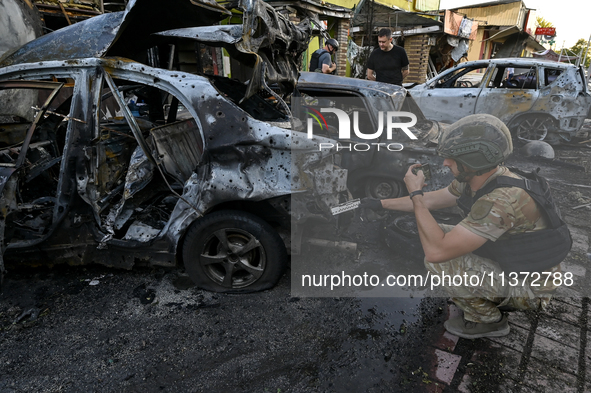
541	22
579	48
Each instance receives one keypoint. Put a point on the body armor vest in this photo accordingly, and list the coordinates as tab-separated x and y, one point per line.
314	66
525	252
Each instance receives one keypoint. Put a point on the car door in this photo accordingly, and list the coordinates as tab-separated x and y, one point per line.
34	117
506	98
453	95
146	146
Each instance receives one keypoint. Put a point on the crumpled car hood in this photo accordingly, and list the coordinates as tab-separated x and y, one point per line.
266	41
125	33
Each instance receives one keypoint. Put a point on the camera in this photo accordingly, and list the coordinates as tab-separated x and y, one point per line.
426	170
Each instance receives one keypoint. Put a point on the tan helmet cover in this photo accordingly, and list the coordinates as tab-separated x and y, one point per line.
479	142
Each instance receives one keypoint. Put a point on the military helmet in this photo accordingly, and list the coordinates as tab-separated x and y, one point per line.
479	142
332	42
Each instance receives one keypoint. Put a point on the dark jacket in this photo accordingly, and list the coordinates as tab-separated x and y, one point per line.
532	251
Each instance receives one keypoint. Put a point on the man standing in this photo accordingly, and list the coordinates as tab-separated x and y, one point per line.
510	73
321	60
389	63
511	226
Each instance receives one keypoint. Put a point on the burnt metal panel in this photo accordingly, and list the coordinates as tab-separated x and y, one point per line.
274	40
215	35
145	17
127	33
179	148
267	42
90	38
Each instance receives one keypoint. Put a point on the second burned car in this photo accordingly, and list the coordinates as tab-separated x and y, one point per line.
542	100
377	165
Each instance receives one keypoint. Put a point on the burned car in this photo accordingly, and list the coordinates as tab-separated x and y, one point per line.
106	159
543	100
375	166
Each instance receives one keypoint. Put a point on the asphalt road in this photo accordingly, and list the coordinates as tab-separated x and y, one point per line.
145	330
95	329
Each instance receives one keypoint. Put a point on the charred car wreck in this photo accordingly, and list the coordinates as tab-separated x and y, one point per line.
105	159
537	100
374	169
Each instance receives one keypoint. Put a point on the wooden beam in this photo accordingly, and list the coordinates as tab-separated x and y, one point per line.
65	13
420	30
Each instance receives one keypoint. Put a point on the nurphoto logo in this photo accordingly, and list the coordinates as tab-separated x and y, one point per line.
387	121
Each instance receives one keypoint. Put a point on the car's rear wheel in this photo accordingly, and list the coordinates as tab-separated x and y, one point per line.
233	251
401	234
382	188
532	127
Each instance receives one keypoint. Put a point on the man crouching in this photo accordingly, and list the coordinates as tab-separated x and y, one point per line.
511	225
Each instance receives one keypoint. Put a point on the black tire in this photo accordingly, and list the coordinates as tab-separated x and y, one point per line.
532	127
401	233
382	188
233	251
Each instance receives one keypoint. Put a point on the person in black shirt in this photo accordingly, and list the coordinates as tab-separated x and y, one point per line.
389	62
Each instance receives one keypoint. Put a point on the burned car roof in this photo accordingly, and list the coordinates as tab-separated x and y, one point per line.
351	83
371	90
516	62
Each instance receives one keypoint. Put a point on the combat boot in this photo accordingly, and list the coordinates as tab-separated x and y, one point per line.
466	329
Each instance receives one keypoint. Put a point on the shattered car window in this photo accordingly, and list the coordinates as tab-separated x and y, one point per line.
21	104
524	79
262	106
463	77
550	75
537	100
149	105
315	100
124	169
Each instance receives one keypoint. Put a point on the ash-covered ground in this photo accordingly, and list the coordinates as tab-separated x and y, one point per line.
71	329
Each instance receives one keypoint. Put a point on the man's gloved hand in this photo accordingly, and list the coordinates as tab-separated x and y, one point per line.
371	204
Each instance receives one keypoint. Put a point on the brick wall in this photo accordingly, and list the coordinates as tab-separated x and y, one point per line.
341	37
417	49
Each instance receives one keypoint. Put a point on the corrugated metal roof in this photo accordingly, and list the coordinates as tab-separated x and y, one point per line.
321	8
487	4
427	5
506	13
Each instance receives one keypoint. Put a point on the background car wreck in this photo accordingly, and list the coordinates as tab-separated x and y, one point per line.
375	173
543	101
128	157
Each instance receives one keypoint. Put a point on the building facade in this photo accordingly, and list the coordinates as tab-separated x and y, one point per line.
505	29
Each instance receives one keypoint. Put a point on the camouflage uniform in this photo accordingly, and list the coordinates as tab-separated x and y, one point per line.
503	212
